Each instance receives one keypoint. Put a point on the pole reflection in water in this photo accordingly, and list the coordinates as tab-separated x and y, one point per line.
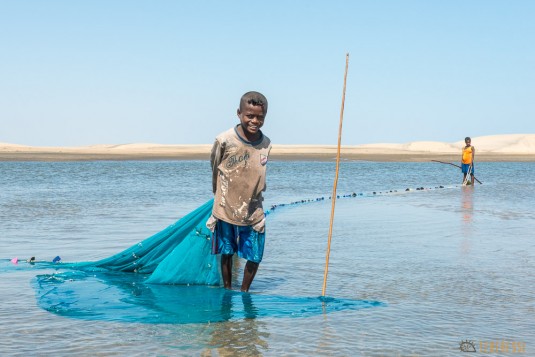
467	211
467	203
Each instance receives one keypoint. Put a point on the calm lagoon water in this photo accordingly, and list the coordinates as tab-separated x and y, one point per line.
449	265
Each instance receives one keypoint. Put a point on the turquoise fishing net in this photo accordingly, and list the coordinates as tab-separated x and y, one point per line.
124	297
170	277
179	254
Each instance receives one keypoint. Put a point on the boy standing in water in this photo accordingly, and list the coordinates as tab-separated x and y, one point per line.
239	157
467	161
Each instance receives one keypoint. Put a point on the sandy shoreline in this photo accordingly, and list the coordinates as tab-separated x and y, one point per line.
288	154
518	147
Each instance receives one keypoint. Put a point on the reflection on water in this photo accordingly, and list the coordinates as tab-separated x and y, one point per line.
246	337
467	211
467	203
328	337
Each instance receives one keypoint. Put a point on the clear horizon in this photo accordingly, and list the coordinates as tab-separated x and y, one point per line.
166	72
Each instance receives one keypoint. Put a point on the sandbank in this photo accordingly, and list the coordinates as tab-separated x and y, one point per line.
512	147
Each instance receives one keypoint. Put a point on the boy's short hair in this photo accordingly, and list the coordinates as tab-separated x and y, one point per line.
254	98
467	139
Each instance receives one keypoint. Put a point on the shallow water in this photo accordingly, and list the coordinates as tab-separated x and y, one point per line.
450	264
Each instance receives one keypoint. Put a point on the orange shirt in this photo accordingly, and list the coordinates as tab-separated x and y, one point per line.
467	155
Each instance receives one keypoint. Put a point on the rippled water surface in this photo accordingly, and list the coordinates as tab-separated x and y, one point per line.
448	264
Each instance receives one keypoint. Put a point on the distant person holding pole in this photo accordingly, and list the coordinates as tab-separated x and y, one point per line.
467	161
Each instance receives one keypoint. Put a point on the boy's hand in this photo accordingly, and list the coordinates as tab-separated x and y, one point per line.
260	226
211	223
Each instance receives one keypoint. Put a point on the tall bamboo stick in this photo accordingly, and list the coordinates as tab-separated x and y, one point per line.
333	200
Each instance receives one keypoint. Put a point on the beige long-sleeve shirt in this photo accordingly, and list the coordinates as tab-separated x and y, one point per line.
239	178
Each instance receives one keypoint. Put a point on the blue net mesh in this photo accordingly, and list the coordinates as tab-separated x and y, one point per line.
179	254
115	296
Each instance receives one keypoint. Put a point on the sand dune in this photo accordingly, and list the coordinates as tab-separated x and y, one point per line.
511	147
423	146
513	143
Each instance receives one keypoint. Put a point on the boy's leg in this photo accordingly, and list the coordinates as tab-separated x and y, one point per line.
248	275
251	248
226	246
226	270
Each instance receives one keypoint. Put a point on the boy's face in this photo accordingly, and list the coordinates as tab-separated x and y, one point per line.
467	142
251	118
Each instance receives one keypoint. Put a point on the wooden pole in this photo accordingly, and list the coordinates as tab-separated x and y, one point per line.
333	199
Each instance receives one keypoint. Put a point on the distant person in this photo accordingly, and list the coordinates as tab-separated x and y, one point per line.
467	161
239	157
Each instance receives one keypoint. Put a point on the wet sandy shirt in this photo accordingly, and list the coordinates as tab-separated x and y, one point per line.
239	177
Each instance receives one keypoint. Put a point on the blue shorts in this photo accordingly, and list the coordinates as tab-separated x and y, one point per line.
244	240
464	169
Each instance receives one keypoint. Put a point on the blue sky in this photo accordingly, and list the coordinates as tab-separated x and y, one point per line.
172	72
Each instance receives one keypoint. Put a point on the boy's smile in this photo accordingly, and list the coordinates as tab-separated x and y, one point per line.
251	120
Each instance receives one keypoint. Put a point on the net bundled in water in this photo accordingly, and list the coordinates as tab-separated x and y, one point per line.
179	254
